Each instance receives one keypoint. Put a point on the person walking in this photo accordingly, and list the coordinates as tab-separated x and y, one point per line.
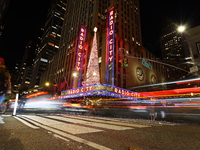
5	81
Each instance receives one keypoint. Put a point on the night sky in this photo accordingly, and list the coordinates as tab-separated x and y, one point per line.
26	17
23	21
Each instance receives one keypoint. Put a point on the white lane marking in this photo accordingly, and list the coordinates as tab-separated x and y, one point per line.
1	121
6	115
94	124
111	121
26	123
58	136
72	137
70	128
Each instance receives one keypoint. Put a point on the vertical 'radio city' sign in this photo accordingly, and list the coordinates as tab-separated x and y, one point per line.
110	42
110	35
81	41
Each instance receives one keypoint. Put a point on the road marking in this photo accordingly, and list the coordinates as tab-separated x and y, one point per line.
94	124
111	121
26	123
70	128
72	137
1	121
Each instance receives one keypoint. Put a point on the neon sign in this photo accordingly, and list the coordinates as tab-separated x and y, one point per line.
110	47
81	42
101	88
111	35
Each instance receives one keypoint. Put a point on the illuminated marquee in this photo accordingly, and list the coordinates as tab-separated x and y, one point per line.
101	87
81	42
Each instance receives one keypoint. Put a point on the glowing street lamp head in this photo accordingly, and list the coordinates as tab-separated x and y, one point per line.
47	83
181	29
95	29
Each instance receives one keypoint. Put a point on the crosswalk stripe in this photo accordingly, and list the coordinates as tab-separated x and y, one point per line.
110	121
26	123
94	124
70	128
72	137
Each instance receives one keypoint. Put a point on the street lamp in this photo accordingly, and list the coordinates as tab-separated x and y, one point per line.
181	28
47	84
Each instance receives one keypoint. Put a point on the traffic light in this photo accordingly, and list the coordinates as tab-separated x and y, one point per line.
121	64
125	62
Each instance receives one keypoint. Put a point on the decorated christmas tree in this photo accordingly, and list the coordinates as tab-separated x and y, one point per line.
92	74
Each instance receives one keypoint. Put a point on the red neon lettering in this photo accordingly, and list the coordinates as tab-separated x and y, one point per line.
111	41
111	32
111	12
111	20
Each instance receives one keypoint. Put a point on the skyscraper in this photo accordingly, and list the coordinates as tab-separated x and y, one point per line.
175	50
50	39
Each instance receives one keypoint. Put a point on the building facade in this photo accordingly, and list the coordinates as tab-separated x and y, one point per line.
119	32
193	35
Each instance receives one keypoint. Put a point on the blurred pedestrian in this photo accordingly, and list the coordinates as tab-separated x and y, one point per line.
5	81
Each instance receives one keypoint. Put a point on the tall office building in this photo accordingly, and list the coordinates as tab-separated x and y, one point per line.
175	50
49	41
119	31
22	73
174	44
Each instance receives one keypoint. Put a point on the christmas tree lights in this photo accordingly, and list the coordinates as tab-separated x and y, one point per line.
92	74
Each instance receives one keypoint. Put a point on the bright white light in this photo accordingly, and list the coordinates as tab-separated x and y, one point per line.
95	29
181	28
47	83
75	74
94	74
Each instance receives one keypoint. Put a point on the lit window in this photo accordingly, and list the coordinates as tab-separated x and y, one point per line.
43	60
51	44
52	35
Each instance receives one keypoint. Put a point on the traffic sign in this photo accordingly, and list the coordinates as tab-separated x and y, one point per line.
146	64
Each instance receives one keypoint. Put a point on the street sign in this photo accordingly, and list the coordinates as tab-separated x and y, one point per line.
146	64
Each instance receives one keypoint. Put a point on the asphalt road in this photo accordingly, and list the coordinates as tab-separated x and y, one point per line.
74	132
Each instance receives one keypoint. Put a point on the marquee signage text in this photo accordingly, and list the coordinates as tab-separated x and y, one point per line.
123	92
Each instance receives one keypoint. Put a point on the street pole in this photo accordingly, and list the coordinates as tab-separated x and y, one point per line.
16	103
